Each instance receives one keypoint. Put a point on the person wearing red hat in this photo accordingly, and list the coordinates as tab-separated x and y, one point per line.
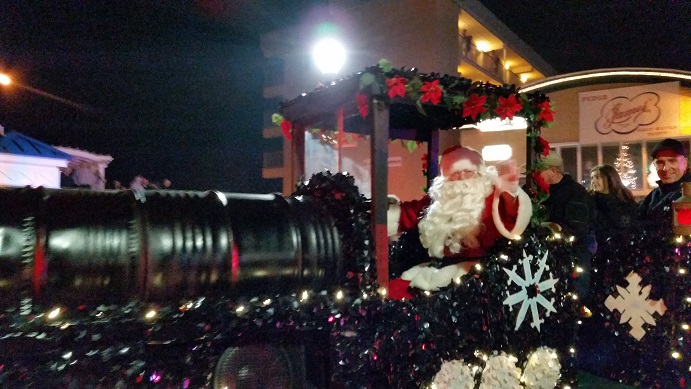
468	207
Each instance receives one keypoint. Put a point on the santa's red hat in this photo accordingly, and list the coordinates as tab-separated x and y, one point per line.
458	158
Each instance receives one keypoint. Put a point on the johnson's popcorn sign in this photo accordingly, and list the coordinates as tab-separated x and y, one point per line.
629	114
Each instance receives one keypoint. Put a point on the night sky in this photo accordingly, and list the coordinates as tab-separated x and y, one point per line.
173	89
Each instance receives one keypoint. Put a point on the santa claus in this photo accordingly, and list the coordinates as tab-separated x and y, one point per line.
467	208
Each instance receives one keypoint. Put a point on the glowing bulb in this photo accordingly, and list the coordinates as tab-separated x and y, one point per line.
267	301
457	280
478	266
574	296
682	271
507	66
427	293
151	314
679	239
572	350
685	326
304	295
676	355
240	309
557	235
382	291
329	55
572	238
54	313
579	269
5	79
339	295
482	46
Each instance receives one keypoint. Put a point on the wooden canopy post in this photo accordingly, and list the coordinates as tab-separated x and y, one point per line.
379	126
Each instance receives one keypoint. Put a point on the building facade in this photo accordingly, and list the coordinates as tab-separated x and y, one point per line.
464	39
608	116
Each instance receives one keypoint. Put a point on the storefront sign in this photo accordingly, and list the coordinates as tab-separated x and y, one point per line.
629	114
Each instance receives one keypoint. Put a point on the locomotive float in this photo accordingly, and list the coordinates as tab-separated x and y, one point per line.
208	289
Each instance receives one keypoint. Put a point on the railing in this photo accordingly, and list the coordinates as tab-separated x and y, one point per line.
488	61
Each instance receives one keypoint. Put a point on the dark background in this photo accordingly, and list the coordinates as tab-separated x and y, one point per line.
173	89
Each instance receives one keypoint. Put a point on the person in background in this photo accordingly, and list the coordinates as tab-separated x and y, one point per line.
66	180
571	208
671	164
616	208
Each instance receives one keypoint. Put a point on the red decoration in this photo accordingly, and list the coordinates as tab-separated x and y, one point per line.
544	144
362	104
547	114
537	177
431	92
396	86
684	216
474	106
424	161
286	127
508	107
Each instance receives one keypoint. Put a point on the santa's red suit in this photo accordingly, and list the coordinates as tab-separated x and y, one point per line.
469	207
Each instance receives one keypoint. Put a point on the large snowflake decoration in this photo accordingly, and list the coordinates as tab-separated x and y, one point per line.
531	289
634	305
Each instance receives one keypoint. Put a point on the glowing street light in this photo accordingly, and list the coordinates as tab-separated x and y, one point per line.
5	79
329	55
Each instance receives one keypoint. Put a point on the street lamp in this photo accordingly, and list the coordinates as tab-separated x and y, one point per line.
329	55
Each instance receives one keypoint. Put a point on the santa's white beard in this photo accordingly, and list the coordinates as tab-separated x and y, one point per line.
453	219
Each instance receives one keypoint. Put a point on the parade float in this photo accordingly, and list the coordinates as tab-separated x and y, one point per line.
209	289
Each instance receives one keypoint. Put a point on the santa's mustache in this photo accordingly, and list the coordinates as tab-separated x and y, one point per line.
455	213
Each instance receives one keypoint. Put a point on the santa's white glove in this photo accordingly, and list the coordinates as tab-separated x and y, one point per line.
393	215
508	177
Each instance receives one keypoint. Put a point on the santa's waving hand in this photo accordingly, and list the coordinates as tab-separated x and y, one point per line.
468	207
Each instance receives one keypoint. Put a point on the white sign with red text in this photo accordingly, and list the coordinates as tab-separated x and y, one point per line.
629	114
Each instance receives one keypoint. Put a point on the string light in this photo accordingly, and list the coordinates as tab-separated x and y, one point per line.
382	291
240	308
54	313
267	302
305	294
339	295
150	314
676	355
478	266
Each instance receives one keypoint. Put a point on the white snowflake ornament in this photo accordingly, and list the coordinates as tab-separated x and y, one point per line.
531	289
634	305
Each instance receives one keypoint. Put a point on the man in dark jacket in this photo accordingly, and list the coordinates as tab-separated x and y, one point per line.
570	206
671	164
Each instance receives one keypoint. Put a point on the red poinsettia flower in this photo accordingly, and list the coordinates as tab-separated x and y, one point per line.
508	107
424	161
541	182
547	114
544	144
285	128
362	104
396	86
474	106
431	92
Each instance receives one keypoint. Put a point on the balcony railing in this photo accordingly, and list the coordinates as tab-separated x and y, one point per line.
488	61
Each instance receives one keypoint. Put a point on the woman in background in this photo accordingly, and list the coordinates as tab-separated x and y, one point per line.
615	204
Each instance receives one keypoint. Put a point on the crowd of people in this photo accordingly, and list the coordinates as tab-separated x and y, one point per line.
469	206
